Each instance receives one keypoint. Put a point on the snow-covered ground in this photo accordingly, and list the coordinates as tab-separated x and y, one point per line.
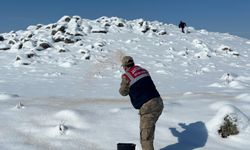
59	85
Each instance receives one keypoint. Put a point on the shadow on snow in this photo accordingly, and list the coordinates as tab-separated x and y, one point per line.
193	136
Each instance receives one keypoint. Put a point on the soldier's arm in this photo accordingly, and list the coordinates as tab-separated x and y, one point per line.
124	88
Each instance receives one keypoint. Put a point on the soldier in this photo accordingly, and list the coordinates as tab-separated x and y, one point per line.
137	83
182	25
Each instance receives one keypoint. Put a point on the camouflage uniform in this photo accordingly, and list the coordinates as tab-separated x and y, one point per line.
149	109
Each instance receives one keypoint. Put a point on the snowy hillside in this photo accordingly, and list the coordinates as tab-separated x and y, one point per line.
59	85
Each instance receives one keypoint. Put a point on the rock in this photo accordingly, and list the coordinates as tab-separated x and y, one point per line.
68	40
227	49
38	26
120	25
142	26
58	39
18	58
145	30
84	51
229	127
54	26
236	54
100	31
25	64
1	38
107	25
162	32
20	46
31	54
67	19
30	36
78	34
62	29
11	42
78	39
43	46
87	57
100	44
48	27
64	19
68	33
154	30
77	18
53	32
63	50
140	22
24	39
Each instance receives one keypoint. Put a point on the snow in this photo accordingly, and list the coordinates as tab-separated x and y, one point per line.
66	96
4	96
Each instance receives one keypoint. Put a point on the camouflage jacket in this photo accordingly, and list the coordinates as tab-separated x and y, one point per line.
124	88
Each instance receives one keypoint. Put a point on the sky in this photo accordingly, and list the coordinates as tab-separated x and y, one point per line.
226	16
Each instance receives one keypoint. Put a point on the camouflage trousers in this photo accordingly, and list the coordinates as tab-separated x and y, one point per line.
149	114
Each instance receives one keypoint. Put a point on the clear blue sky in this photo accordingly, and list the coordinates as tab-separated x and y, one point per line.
231	16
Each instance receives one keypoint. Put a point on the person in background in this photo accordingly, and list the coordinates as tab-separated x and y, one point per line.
182	25
137	83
